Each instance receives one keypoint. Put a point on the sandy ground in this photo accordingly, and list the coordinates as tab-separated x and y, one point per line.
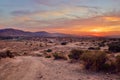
39	68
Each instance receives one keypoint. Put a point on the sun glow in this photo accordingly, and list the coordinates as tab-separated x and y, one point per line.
99	29
96	30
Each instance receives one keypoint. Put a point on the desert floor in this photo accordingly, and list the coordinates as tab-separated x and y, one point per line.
39	68
30	67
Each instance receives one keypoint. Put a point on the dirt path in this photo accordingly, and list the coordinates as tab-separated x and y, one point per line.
39	68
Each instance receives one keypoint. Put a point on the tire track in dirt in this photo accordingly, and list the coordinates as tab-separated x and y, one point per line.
39	68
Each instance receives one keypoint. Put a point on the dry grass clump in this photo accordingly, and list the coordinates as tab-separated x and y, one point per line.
75	54
58	55
114	47
114	64
49	50
47	55
118	63
102	44
94	60
63	43
110	64
94	48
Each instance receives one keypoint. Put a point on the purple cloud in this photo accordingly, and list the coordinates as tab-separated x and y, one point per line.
21	12
51	2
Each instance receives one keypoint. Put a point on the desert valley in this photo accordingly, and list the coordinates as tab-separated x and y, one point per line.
59	39
59	58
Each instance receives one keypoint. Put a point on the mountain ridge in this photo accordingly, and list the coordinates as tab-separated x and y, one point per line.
10	32
15	33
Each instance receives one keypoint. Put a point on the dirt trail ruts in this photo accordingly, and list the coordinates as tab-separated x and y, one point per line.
39	68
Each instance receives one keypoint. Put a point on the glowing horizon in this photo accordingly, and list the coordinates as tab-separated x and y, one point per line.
80	17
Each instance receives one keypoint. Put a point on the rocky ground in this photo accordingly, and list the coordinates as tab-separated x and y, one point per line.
29	67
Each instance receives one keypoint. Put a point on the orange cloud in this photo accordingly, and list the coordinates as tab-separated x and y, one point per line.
1	26
112	18
24	18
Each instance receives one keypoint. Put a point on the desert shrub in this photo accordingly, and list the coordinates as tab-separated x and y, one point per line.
102	44
48	56
6	53
109	67
106	67
82	43
49	50
59	56
87	58
114	47
91	48
31	44
63	43
75	54
118	63
40	45
94	48
38	55
94	60
26	43
9	54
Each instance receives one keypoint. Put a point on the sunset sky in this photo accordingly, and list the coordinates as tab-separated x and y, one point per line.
80	17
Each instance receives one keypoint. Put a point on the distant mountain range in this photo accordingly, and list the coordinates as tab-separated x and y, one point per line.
19	33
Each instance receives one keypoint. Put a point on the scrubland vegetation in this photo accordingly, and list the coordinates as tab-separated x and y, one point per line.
98	61
100	56
114	47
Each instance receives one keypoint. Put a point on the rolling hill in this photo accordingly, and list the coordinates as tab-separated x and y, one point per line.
19	33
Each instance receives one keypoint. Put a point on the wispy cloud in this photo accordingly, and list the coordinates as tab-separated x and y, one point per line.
76	16
21	12
64	12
